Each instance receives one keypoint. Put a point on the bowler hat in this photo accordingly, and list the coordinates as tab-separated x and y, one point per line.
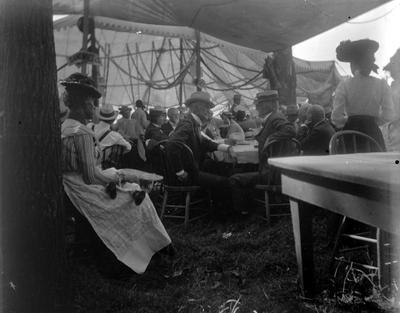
200	96
350	51
82	82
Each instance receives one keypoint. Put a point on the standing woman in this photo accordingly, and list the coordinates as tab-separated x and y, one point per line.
132	232
361	101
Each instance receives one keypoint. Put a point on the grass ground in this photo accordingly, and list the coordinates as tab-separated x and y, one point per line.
219	267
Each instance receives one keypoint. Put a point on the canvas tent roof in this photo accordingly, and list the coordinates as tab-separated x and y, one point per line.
143	56
265	25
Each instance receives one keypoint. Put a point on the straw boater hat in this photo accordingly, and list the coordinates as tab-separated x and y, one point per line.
200	96
82	82
267	96
107	113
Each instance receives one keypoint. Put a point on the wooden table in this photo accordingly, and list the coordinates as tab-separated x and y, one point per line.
245	153
365	187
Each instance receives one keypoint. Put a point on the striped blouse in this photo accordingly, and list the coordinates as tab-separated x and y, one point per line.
79	153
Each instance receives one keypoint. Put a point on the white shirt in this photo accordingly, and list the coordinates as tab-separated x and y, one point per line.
111	139
362	95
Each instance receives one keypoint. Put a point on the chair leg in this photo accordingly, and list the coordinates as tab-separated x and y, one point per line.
164	204
187	209
336	243
267	208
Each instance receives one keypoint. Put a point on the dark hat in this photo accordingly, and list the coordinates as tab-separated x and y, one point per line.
83	82
139	104
350	51
200	96
157	111
267	95
125	108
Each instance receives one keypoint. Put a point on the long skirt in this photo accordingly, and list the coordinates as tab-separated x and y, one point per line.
133	233
367	125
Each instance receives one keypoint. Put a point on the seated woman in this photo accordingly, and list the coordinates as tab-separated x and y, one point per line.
132	232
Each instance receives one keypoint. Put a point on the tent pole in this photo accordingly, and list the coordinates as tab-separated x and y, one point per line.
130	73
283	60
85	31
198	66
180	70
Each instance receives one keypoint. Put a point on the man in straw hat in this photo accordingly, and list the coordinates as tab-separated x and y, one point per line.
103	133
189	132
275	127
362	100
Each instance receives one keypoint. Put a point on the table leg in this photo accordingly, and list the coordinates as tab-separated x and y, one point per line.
302	229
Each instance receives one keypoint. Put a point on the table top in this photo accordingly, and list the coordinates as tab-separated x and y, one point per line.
246	152
376	170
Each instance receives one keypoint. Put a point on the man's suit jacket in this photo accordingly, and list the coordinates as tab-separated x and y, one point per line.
276	127
167	128
188	132
316	141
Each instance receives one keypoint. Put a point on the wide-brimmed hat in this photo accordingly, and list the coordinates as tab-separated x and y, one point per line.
200	96
83	82
267	96
107	113
350	51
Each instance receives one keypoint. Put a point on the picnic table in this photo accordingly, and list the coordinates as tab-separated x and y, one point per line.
246	152
364	187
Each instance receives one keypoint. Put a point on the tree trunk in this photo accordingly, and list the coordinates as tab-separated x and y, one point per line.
33	264
284	67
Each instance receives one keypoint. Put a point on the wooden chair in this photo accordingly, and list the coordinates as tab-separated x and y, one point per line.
276	148
112	157
178	199
349	141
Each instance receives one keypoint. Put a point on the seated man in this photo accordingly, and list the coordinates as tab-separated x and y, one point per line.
109	141
103	133
188	132
233	131
173	119
275	127
317	132
154	133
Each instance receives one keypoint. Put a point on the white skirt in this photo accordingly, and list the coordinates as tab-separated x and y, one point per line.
133	233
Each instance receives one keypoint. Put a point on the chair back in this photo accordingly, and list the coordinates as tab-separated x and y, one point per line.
112	157
351	141
280	148
162	164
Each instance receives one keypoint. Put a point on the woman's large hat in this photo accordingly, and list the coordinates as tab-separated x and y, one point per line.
350	51
200	96
107	113
83	82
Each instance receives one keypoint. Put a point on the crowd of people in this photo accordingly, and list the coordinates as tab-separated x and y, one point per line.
132	229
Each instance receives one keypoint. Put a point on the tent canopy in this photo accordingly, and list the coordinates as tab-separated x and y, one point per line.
152	62
266	25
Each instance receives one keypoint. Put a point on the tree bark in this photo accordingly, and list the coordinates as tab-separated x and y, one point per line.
34	275
284	67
